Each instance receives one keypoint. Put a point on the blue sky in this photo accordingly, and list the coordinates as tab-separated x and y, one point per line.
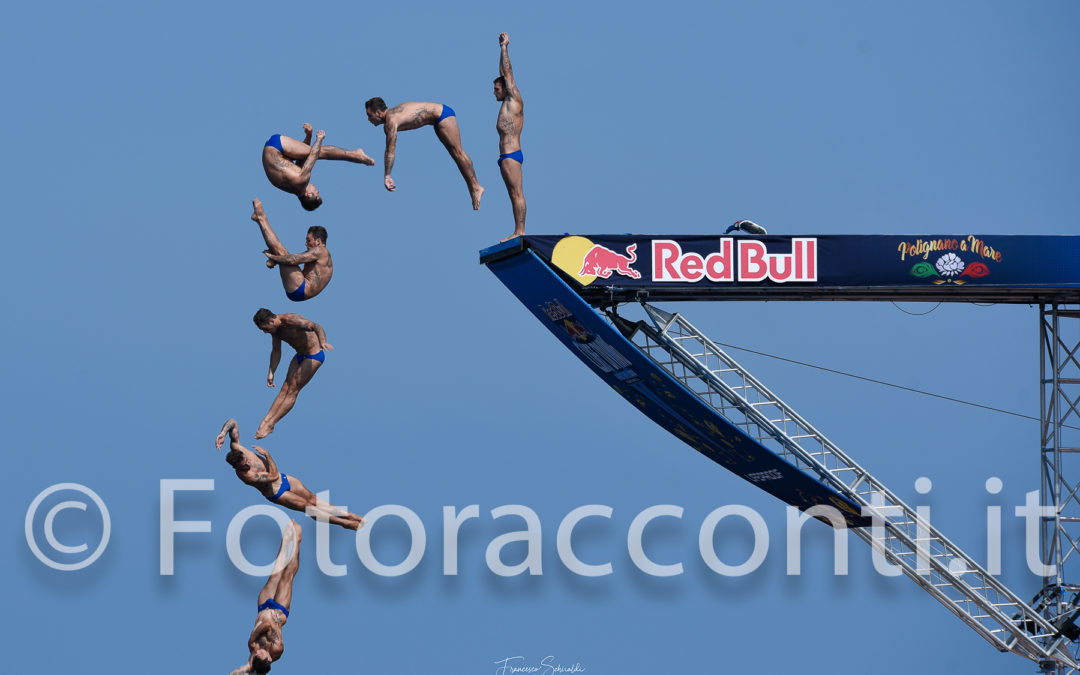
134	133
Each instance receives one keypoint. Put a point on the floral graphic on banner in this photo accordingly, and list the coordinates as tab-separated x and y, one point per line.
948	266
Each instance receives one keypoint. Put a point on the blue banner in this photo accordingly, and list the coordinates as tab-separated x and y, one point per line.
1003	268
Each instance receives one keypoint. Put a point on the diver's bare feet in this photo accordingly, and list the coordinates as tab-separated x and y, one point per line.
476	195
259	215
513	236
362	157
264	430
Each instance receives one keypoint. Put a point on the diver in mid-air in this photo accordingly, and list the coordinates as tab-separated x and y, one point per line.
309	340
255	467
300	283
413	115
288	163
265	644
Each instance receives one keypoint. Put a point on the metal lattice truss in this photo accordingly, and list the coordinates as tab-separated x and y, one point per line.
899	534
1059	375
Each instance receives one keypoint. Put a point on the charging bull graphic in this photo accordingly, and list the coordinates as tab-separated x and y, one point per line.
601	262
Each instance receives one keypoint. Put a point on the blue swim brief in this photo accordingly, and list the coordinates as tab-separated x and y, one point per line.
447	111
272	604
320	357
281	490
298	294
516	156
275	142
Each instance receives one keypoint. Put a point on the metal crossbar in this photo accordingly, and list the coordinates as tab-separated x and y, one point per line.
899	533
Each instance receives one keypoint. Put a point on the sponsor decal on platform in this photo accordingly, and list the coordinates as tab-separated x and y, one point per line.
944	261
736	259
591	346
755	263
585	261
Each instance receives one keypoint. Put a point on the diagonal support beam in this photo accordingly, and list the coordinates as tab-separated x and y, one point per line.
901	535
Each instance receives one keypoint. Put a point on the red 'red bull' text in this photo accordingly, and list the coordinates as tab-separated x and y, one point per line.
755	263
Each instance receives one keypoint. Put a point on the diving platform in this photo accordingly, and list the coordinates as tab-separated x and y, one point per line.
576	285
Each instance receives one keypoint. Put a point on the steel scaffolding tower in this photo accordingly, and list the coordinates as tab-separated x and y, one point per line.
1059	404
1043	633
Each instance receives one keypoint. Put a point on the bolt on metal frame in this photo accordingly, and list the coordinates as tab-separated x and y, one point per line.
898	533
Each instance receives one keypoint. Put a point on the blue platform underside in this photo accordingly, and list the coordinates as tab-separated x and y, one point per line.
649	388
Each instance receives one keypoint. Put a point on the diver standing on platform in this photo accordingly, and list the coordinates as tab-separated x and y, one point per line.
509	122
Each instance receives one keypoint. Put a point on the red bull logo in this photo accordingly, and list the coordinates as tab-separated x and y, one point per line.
736	259
586	262
755	263
601	261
